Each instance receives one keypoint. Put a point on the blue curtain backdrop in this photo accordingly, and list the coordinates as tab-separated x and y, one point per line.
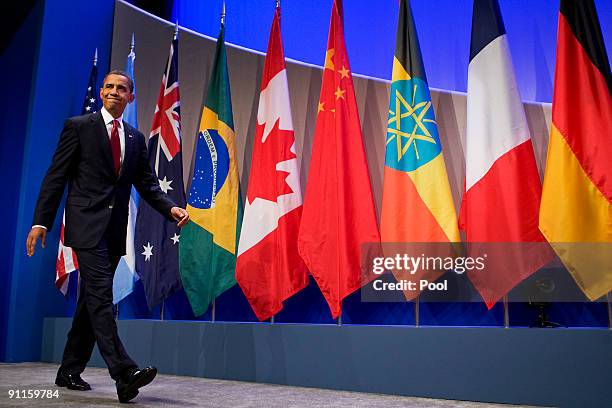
16	62
443	27
48	63
47	66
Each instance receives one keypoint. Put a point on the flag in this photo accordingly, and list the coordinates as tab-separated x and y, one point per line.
66	261
157	238
90	102
339	214
502	183
123	281
576	209
207	251
417	204
269	268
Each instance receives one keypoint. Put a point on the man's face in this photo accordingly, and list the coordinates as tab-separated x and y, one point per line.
115	94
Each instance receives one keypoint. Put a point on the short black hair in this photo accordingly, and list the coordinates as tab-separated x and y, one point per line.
123	74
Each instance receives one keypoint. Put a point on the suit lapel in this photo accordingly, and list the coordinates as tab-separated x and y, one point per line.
128	134
104	141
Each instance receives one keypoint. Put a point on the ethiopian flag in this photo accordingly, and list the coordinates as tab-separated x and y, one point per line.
417	204
576	207
208	243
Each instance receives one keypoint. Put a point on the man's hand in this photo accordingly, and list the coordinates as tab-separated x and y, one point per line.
180	215
33	236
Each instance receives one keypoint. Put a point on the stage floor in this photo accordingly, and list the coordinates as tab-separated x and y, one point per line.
177	391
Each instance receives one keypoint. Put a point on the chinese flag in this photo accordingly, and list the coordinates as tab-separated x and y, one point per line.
339	214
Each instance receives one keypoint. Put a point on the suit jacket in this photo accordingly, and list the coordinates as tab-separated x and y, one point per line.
97	198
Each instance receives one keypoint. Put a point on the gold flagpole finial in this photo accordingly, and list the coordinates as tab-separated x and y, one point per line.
223	13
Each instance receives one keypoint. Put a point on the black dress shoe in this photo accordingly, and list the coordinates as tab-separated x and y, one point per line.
71	381
128	385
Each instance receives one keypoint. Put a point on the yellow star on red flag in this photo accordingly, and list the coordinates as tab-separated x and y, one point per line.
339	93
344	73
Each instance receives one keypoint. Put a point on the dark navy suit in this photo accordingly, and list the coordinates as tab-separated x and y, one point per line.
96	225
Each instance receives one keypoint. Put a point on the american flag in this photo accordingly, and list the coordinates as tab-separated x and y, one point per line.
157	239
66	261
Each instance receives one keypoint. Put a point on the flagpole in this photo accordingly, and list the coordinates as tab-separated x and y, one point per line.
417	311
214	302
339	320
277	6
78	293
161	311
506	313
223	13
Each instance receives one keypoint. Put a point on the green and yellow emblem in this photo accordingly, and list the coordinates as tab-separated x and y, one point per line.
412	133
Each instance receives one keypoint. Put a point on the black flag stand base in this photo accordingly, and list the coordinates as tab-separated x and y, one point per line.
542	320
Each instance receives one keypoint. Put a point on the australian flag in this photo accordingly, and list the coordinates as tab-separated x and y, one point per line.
157	239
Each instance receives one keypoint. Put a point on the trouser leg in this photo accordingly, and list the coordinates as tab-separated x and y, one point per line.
81	339
97	270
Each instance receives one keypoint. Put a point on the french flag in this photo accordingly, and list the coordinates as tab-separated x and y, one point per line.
502	184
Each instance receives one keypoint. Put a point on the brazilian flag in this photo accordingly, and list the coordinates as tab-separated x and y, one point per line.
208	243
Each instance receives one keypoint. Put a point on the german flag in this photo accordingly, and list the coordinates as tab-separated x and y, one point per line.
576	210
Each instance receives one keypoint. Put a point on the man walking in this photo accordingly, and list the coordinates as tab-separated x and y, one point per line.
99	157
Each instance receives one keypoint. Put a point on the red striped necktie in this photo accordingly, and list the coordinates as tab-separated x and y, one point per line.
116	146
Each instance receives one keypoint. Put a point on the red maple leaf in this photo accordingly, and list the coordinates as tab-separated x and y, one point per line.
266	181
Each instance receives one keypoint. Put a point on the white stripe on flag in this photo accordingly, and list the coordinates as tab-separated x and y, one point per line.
125	275
496	121
261	216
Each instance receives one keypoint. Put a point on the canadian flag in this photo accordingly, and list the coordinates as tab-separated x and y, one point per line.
269	268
